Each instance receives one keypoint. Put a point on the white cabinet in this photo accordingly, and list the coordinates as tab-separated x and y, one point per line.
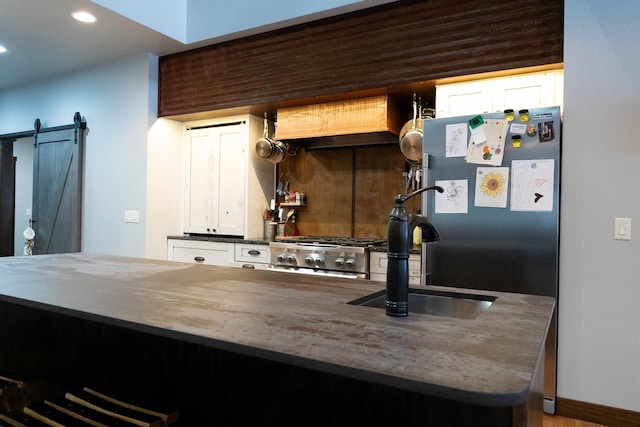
378	267
248	255
460	99
227	254
543	89
214	184
227	187
210	253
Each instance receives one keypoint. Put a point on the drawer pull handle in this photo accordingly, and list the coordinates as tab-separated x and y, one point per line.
199	259
248	266
254	252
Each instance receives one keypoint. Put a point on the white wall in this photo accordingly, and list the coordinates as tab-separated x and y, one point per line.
208	19
168	17
191	21
119	103
599	319
165	186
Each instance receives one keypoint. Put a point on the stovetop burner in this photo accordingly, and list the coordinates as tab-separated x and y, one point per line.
340	241
322	255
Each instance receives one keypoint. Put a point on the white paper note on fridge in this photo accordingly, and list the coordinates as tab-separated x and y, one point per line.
532	185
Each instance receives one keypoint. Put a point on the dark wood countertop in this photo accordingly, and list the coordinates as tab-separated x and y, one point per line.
296	319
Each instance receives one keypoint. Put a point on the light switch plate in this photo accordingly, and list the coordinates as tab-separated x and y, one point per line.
131	216
622	229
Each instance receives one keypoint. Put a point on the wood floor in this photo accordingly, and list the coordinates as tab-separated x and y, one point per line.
556	421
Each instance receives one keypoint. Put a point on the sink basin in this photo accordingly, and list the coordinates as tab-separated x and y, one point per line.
439	303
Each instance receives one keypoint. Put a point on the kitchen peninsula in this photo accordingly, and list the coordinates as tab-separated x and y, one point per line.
248	347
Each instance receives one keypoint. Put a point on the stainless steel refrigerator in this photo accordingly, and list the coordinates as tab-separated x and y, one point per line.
498	218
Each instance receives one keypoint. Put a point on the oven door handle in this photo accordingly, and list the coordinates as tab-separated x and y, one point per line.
321	273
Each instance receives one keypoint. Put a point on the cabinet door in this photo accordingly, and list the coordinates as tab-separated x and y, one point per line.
215	180
231	180
201	167
527	91
463	99
530	90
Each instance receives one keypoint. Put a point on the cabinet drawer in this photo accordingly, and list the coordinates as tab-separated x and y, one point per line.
201	256
378	267
250	265
210	253
414	266
378	263
378	277
414	280
414	269
252	253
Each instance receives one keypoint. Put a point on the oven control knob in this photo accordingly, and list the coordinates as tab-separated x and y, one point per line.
319	261
309	260
291	259
351	263
281	258
339	262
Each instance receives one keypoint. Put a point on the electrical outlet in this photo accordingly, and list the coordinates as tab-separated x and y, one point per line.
131	216
622	229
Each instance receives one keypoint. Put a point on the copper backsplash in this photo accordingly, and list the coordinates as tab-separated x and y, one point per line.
349	191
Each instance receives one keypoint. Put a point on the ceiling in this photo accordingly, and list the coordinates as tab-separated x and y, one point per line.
43	40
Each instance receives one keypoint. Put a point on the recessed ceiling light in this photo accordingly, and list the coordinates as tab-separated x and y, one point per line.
2	49
84	17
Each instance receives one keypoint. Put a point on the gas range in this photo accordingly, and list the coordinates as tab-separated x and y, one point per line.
326	256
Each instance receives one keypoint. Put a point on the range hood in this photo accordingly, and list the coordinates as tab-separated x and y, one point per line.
359	122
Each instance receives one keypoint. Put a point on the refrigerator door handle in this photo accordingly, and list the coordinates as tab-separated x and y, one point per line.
423	245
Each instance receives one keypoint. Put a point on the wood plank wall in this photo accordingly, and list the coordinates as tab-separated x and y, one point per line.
403	43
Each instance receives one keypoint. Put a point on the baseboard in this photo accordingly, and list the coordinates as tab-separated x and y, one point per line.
599	414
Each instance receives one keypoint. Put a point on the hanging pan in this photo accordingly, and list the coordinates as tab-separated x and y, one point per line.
266	148
411	137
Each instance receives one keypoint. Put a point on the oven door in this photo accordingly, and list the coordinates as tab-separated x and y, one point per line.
319	272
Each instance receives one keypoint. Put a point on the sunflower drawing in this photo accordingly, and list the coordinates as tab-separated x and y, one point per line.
492	184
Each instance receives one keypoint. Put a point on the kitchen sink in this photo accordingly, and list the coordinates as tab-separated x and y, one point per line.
439	303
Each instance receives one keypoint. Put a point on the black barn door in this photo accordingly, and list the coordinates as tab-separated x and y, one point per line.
57	188
7	197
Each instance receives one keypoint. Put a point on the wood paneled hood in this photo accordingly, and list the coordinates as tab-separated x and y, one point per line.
365	121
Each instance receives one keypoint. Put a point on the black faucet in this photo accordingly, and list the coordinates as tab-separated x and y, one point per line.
399	241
